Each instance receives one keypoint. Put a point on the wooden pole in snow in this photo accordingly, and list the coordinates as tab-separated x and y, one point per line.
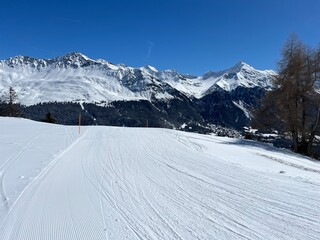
79	122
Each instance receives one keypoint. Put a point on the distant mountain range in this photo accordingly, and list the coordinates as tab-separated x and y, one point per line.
164	98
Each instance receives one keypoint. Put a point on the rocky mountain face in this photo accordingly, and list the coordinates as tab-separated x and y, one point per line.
115	94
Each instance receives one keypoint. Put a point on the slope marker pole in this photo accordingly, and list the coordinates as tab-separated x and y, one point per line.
79	122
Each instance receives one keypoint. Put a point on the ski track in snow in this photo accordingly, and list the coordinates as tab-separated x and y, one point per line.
129	183
6	165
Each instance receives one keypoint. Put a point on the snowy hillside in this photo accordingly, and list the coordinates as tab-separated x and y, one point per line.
58	184
73	77
77	78
240	75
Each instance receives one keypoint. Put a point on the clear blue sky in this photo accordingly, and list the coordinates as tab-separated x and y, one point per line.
191	36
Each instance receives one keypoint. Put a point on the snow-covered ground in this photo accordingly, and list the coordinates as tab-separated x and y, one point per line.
144	183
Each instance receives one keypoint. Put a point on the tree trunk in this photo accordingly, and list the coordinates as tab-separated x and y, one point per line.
294	136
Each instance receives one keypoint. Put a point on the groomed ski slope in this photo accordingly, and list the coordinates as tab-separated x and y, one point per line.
143	183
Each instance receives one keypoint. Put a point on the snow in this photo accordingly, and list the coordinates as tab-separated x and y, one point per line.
67	85
149	69
75	77
163	96
59	80
240	75
241	105
144	183
183	126
26	149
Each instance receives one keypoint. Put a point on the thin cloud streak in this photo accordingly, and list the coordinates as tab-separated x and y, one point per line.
150	48
70	20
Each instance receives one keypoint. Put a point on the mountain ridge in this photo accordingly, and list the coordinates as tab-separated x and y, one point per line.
117	94
104	81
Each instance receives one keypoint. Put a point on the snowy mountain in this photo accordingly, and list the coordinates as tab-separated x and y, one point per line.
240	75
77	78
222	97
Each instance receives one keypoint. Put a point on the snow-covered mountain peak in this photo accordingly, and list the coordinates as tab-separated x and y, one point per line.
73	59
76	55
246	68
240	75
150	68
169	75
240	66
24	61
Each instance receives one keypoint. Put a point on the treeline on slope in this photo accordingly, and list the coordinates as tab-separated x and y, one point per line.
293	106
218	107
132	114
181	112
61	113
